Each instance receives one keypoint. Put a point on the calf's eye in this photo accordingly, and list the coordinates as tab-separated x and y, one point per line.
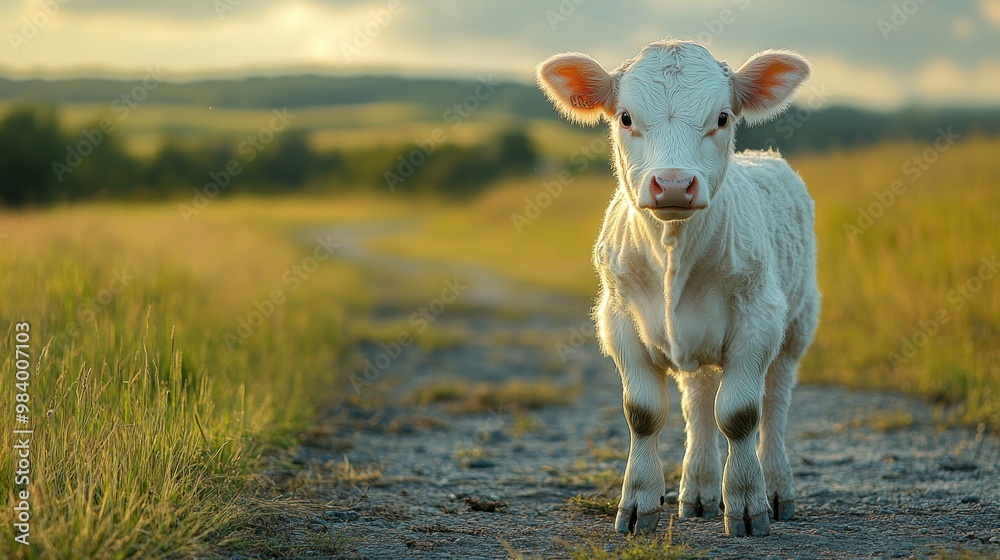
723	119
626	119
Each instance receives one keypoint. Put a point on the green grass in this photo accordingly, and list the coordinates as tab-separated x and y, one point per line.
897	278
145	426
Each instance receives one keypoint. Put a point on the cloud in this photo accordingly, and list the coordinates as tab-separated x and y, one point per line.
287	33
507	39
990	10
962	28
853	83
943	79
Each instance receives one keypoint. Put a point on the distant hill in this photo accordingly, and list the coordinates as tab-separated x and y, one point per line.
797	130
848	127
286	91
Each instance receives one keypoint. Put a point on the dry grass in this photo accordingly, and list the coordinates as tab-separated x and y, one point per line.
882	421
472	452
594	504
611	451
461	397
660	546
605	482
966	554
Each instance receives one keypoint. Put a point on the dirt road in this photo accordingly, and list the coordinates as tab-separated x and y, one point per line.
461	477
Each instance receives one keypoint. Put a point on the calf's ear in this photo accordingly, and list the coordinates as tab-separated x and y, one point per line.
579	87
764	85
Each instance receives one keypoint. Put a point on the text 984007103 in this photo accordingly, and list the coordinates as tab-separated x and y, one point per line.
22	432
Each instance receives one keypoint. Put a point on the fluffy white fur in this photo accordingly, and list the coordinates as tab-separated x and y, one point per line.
723	297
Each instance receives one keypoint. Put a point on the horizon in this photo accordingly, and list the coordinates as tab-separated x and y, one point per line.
905	53
277	74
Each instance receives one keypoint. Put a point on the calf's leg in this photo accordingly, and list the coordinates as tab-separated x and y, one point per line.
777	401
738	408
771	447
701	478
644	398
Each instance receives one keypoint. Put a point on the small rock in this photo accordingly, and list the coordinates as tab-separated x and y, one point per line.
489	506
480	464
672	496
958	466
970	499
342	516
491	436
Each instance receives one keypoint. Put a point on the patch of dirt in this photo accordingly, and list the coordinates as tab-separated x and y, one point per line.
462	485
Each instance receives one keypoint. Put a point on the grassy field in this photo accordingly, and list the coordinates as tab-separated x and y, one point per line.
149	418
145	130
146	423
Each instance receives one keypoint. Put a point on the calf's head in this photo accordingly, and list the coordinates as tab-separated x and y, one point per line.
672	110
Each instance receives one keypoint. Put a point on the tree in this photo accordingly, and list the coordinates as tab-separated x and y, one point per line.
30	144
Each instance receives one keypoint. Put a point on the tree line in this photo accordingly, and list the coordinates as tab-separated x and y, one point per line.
41	163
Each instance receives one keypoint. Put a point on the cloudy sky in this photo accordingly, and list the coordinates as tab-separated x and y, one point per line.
882	53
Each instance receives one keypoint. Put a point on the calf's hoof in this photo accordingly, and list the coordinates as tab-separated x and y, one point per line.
782	510
631	521
748	526
707	508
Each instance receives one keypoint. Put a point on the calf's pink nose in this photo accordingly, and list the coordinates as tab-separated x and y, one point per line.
673	187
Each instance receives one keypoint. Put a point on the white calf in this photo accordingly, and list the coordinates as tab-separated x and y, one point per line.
707	262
